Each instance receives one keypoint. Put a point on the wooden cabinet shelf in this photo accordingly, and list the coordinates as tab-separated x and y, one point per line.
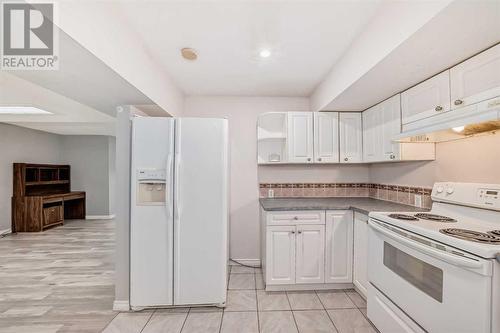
42	197
47	182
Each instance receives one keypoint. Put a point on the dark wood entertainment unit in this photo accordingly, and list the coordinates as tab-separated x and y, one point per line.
42	197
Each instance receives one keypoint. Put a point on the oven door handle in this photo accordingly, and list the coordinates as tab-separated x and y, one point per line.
441	255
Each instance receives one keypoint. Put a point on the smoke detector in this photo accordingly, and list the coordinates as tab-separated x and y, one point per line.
189	53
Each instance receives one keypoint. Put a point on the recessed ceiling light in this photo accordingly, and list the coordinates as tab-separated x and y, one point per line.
189	53
22	110
264	53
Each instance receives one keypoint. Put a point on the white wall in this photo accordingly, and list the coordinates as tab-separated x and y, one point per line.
19	144
350	173
474	159
122	228
90	170
242	113
112	174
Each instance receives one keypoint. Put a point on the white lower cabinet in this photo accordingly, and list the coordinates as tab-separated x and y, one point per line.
360	278
295	254
310	249
280	255
339	246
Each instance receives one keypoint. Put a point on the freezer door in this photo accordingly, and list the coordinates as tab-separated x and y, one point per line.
151	220
200	211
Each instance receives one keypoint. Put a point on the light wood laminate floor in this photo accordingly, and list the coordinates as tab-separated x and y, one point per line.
59	280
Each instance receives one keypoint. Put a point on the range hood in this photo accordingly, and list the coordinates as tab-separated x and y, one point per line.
455	124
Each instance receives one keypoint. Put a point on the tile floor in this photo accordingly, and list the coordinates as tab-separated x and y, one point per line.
252	310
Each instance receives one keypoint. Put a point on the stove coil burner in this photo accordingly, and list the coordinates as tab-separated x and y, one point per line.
403	217
470	235
434	217
495	233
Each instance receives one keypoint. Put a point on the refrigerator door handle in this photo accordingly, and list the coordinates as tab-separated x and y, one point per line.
169	184
177	185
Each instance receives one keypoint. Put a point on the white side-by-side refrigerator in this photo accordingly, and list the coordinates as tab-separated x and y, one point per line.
179	212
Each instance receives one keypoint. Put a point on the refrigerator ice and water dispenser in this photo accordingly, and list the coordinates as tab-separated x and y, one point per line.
151	187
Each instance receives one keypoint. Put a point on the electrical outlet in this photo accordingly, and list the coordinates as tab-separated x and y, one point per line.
270	193
418	200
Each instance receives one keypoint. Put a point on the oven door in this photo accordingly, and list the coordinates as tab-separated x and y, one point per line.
440	288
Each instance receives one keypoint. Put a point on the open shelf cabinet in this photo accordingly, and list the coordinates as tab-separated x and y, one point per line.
272	138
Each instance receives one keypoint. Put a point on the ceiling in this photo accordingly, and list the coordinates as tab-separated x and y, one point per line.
82	95
461	30
305	39
85	79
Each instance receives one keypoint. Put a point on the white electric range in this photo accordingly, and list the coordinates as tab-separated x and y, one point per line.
438	271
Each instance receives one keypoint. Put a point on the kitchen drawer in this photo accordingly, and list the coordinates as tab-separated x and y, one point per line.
53	214
296	217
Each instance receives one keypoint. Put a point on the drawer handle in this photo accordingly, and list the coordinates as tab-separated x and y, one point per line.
439	108
300	231
295	217
458	102
292	232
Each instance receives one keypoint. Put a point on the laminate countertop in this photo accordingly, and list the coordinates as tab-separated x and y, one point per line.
361	205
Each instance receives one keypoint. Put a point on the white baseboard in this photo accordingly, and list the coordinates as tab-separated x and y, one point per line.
251	262
121	306
5	231
100	217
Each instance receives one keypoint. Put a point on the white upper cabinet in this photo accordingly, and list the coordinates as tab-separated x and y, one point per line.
339	247
380	124
426	99
391	125
300	137
310	264
476	79
326	137
372	140
351	148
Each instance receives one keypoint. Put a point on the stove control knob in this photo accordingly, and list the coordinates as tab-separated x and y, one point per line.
440	189
449	190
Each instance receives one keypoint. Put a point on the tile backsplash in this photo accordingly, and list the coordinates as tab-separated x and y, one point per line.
395	193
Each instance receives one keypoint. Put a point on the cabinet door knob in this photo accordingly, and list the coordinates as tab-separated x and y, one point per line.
319	159
392	156
439	108
458	102
292	232
300	231
308	158
295	217
346	159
